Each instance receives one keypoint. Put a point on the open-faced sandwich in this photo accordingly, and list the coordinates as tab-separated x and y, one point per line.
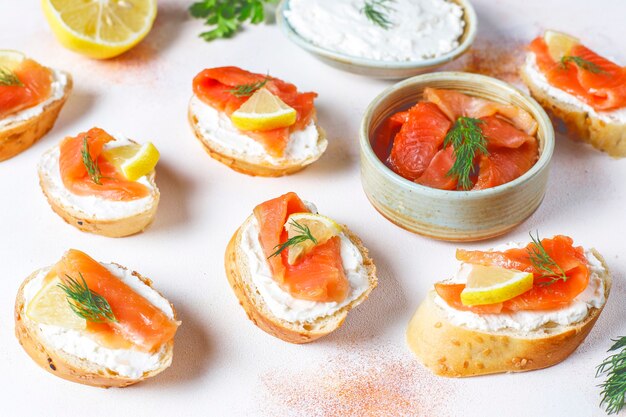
584	89
255	123
31	97
95	323
296	273
511	310
101	183
455	141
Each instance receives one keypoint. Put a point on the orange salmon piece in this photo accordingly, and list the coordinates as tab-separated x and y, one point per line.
36	85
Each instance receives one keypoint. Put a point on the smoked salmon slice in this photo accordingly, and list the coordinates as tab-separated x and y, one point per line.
215	87
504	164
36	83
76	178
436	175
137	320
317	276
603	87
569	258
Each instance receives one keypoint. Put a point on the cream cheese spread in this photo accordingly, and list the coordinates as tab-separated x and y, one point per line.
617	116
419	29
92	206
216	125
528	321
126	362
282	304
57	89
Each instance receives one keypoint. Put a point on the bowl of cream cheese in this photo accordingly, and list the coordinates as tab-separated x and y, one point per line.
390	39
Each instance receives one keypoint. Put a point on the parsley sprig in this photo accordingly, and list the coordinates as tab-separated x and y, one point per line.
468	141
543	262
86	303
303	235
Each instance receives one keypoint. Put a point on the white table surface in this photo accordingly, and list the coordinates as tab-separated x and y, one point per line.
223	364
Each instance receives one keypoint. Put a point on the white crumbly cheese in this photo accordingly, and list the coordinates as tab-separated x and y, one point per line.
617	116
126	362
57	89
217	126
92	206
282	304
528	321
420	29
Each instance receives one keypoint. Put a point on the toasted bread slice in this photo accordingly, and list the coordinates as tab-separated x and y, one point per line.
250	164
457	351
601	134
70	367
123	224
238	274
18	136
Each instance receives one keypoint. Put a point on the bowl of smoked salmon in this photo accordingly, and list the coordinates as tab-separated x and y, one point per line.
455	156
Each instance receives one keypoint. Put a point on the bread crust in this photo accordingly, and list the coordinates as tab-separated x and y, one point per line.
69	367
456	351
120	227
249	166
607	137
19	136
239	278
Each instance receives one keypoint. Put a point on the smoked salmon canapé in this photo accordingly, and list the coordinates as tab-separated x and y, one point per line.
514	308
31	97
256	124
101	183
579	86
297	273
95	323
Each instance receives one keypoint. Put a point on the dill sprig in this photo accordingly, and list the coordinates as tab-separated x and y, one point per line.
377	12
468	140
9	78
92	165
614	387
86	303
542	261
582	63
246	90
303	236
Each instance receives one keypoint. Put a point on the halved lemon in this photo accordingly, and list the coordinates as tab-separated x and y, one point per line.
134	161
263	111
100	28
559	44
321	228
50	306
493	284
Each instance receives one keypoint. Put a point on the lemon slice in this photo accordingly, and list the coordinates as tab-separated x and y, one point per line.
50	306
134	161
492	284
320	227
100	28
10	60
263	111
559	43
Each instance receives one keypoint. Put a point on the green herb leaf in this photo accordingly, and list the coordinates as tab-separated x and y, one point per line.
303	236
542	261
9	78
614	387
92	165
377	12
246	90
582	63
468	140
86	303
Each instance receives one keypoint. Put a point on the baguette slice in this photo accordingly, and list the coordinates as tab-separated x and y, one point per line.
240	280
602	135
18	136
455	351
118	227
70	367
248	164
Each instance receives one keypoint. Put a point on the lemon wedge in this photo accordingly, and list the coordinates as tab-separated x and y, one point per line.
50	306
263	111
492	284
10	60
100	28
321	228
134	161
559	44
